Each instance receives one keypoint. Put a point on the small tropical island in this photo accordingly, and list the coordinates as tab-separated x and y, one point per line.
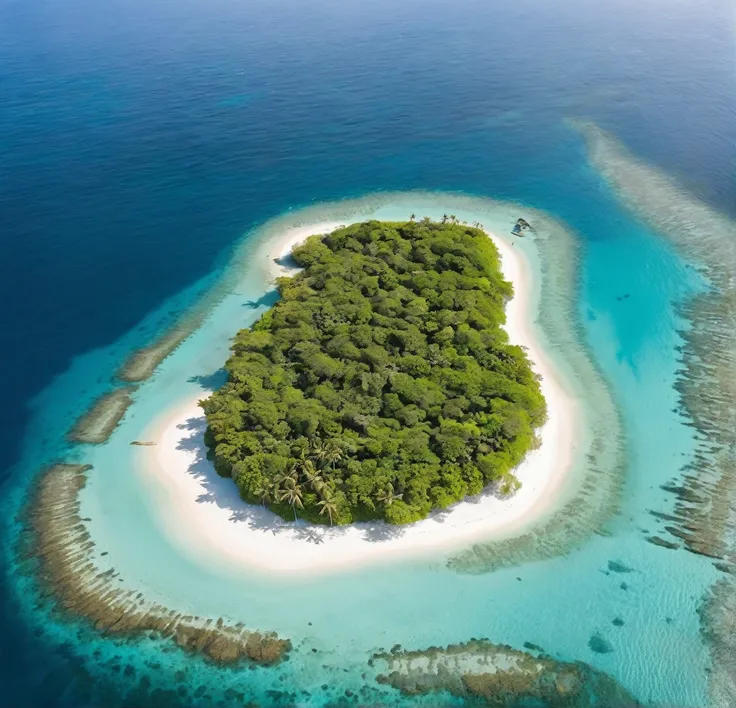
382	384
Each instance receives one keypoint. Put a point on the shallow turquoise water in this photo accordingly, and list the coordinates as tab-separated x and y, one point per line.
558	604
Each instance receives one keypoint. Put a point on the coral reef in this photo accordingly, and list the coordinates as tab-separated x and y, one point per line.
704	516
501	676
718	627
141	364
96	425
58	548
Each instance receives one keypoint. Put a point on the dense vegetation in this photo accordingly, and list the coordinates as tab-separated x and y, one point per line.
381	385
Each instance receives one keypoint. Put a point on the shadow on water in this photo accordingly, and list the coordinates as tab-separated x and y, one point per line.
210	382
287	261
223	492
268	299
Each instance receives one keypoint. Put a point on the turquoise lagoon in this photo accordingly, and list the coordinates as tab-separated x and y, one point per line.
627	291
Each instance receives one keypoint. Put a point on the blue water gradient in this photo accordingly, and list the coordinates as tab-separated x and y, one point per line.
140	141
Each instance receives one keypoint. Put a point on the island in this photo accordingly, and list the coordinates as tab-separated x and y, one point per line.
206	563
382	384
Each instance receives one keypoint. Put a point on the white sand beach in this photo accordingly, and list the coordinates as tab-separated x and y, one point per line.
279	250
203	514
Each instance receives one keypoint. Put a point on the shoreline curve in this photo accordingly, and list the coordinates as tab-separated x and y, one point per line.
226	527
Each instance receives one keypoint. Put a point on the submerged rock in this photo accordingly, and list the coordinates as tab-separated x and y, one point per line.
533	647
617	567
599	645
657	541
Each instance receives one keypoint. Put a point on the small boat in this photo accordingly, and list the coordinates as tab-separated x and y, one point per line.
520	226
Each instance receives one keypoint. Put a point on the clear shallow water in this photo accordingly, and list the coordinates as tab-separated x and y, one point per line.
138	145
401	598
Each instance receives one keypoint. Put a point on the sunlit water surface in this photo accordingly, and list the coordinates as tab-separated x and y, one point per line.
141	145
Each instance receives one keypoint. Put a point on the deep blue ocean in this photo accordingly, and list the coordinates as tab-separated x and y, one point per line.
140	140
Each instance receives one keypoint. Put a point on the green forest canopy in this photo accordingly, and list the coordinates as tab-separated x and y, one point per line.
381	385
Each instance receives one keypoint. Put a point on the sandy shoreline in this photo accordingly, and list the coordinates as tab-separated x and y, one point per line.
203	513
280	249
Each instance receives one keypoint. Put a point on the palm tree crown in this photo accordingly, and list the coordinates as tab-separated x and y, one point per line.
327	505
312	475
291	493
319	449
333	454
266	492
387	495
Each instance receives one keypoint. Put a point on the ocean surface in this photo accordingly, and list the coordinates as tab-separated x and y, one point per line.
142	145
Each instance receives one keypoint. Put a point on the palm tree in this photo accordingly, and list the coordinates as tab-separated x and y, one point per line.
412	217
266	492
333	454
327	505
312	475
453	218
319	449
387	496
444	218
291	493
292	474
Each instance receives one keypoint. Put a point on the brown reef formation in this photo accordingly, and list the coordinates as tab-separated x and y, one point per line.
704	507
602	471
141	363
704	516
718	627
96	425
58	548
501	676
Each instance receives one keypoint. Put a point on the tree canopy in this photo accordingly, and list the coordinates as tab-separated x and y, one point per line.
381	384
